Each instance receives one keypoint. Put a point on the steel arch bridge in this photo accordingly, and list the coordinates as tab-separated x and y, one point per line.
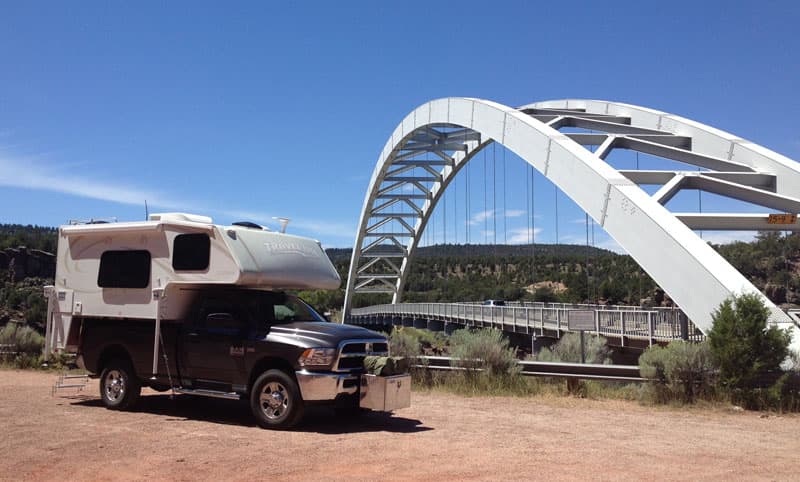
437	139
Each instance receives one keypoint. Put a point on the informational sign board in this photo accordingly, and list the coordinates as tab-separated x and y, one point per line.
782	219
580	320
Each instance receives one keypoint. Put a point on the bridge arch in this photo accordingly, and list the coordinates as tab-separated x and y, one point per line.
449	132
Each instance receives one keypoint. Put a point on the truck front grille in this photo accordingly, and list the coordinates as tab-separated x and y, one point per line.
352	353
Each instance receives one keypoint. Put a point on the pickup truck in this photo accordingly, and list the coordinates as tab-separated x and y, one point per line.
266	347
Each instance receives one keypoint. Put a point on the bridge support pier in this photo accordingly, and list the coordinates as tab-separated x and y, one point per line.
436	325
449	328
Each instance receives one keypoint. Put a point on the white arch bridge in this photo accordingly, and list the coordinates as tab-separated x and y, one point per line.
437	139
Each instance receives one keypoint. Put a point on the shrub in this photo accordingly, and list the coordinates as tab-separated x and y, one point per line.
680	371
403	343
25	342
568	349
742	345
484	349
21	338
413	342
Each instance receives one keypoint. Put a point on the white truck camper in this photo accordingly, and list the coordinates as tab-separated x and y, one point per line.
179	303
144	270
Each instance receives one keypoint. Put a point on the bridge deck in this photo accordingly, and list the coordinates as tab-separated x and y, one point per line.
541	319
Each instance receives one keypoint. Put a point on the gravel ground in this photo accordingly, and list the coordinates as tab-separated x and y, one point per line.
440	437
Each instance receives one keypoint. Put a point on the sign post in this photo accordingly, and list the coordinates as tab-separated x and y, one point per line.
581	320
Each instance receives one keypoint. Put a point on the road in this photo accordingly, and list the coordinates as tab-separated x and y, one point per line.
441	437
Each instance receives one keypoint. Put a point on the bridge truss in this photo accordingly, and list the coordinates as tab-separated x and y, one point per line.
436	140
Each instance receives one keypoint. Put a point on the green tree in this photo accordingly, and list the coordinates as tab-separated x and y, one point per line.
742	345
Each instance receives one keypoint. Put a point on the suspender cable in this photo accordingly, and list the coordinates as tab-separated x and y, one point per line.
455	209
588	277
485	205
640	268
555	249
467	189
700	203
594	279
444	215
533	223
528	213
494	196
505	227
528	202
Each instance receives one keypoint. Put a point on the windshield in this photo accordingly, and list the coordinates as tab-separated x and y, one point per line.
275	308
294	309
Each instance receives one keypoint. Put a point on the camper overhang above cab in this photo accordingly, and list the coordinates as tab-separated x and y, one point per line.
190	248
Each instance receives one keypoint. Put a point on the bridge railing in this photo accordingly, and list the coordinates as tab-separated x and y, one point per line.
544	318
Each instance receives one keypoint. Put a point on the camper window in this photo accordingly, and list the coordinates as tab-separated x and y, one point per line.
190	252
124	269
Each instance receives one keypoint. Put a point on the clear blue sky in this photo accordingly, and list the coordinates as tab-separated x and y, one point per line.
265	109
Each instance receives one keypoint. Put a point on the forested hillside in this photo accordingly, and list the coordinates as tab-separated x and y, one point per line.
561	273
570	273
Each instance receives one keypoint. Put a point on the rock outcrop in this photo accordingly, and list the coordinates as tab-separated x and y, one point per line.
20	263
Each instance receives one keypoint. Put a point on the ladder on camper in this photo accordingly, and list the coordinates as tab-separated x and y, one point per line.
65	381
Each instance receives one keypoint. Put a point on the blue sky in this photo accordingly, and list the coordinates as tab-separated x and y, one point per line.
255	110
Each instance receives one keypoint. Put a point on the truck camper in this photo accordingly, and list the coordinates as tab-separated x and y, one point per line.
180	303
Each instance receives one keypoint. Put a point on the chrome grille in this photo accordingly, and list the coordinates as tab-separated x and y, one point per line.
352	353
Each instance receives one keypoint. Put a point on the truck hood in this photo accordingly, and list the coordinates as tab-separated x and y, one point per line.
318	334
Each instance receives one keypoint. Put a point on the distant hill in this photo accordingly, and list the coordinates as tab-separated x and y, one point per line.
451	272
479	250
32	237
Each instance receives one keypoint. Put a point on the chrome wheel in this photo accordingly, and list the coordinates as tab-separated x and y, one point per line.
114	386
274	400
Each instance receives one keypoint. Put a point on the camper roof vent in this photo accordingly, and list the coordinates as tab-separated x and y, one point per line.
192	218
248	224
76	222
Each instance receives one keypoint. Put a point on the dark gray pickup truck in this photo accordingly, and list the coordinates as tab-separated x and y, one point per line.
267	347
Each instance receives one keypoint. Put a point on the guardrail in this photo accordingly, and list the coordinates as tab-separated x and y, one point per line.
7	349
639	323
585	371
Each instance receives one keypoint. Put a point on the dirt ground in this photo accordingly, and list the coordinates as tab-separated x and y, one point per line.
441	437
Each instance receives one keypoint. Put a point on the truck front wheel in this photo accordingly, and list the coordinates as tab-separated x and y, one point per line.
275	400
119	387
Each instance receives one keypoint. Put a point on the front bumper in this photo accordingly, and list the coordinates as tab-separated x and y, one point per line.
369	391
316	386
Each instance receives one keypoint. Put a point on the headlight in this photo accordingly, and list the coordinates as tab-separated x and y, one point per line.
317	357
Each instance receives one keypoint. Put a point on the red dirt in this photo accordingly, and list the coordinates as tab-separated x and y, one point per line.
440	437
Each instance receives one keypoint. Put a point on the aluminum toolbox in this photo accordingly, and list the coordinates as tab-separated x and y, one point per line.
385	393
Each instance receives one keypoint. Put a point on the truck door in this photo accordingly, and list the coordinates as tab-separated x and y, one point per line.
214	346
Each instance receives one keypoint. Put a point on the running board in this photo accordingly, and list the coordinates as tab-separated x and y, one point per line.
209	393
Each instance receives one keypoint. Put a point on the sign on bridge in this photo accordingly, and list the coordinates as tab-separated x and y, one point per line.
581	320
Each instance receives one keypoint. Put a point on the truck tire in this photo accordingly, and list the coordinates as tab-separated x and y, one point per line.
119	387
275	400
